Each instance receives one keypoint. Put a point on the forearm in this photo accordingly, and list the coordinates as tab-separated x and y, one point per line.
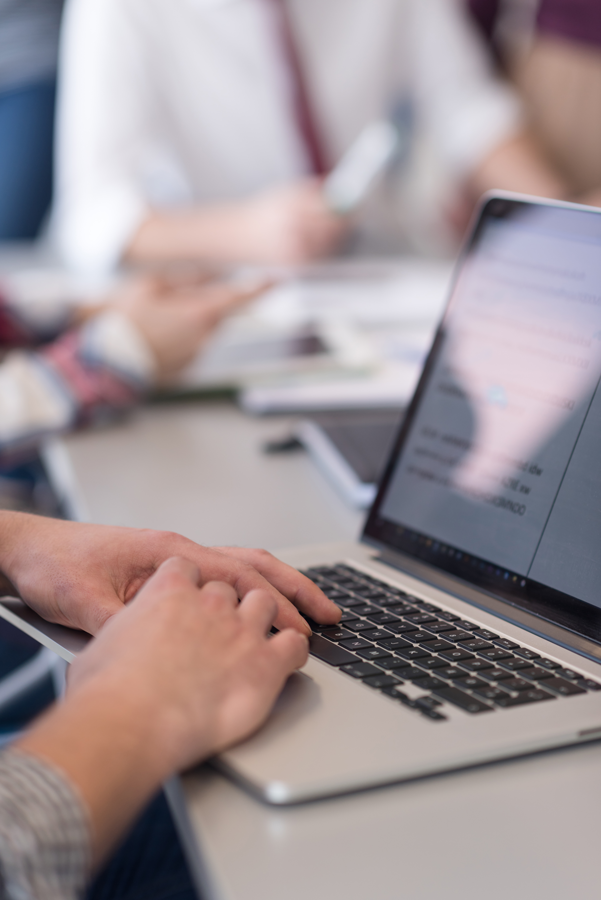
215	233
517	165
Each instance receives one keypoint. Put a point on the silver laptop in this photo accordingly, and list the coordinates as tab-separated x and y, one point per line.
471	627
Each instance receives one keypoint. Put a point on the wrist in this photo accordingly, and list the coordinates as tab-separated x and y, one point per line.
14	530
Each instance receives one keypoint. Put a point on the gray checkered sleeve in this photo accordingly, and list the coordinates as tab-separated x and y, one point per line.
44	832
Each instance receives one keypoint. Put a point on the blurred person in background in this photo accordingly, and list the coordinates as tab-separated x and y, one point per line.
203	129
552	51
29	35
72	365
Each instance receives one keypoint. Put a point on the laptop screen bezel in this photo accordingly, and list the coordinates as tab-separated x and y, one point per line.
534	598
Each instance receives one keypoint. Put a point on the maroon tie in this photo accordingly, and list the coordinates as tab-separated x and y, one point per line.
303	110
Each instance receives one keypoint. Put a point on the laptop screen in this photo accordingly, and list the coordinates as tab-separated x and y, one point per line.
496	475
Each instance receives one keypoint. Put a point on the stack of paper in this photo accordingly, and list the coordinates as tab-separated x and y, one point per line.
387	311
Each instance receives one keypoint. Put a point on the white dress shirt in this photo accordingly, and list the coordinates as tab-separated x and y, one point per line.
165	103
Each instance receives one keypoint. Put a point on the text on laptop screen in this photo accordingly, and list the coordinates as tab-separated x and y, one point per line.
500	459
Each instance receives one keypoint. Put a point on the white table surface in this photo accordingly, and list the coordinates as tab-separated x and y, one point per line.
198	468
522	829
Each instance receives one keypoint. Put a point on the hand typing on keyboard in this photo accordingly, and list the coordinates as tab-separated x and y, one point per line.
86	573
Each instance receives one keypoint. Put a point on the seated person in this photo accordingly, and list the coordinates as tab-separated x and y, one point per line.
552	51
86	363
182	666
202	130
29	33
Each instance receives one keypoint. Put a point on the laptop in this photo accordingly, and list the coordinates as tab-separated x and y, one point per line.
471	626
351	449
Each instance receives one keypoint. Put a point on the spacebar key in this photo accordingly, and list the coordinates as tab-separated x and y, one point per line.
328	652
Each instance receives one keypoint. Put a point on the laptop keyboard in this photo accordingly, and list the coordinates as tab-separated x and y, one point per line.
389	639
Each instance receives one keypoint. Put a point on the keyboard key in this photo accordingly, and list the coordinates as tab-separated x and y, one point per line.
420	618
462	700
467	626
394	664
516	684
524	653
427	702
588	684
399	695
438	627
394	644
389	600
433	662
360	625
414	674
493	693
436	646
450	672
347	617
380	681
506	644
334	594
328	652
513	664
428	683
457	635
374	594
347	601
316	626
429	607
366	610
361	670
475	645
496	674
383	618
434	715
402	627
547	664
390	589
486	635
531	696
377	634
374	653
448	616
413	653
570	674
563	687
355	644
476	665
396	606
471	683
496	654
417	637
536	674
456	655
336	634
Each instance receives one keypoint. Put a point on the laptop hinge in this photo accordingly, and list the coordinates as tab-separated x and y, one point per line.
489	603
